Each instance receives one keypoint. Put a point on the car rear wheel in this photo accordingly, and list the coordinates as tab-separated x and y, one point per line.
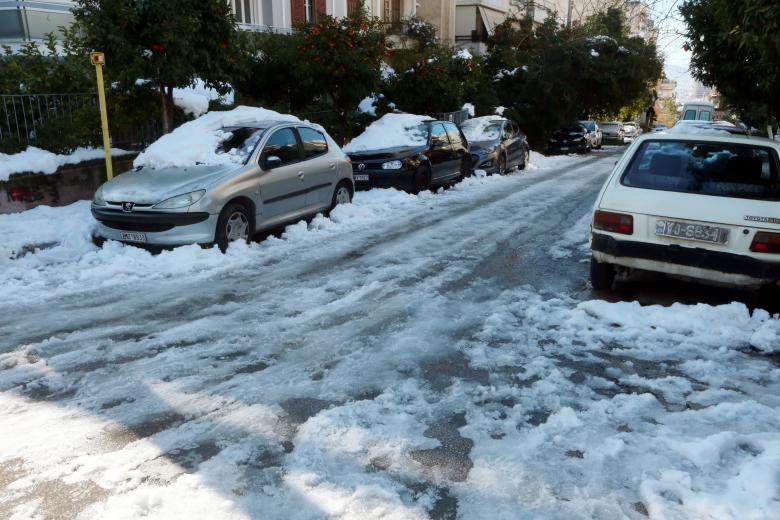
422	180
234	223
601	275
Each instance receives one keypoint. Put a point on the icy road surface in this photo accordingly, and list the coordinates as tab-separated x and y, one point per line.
439	356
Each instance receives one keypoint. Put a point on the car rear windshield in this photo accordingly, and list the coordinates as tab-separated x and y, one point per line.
589	125
240	142
705	168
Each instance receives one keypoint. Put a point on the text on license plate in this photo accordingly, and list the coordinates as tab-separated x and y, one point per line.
134	237
359	177
670	228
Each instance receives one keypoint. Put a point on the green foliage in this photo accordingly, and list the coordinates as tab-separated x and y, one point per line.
38	68
548	75
735	47
422	32
170	42
433	80
323	69
341	60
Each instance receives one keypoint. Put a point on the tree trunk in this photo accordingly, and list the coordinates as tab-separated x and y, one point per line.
166	101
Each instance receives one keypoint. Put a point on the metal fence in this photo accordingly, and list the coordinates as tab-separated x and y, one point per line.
456	117
21	115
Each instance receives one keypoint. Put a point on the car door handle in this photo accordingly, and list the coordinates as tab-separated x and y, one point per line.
300	175
332	166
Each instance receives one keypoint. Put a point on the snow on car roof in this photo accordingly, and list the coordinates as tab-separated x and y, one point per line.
198	141
478	128
390	131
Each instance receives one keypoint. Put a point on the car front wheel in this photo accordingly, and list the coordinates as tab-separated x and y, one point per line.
422	180
601	275
234	223
526	156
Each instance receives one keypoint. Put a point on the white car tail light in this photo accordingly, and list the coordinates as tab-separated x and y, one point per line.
765	242
613	222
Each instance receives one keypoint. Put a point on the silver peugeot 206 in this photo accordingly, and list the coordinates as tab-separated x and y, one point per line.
278	172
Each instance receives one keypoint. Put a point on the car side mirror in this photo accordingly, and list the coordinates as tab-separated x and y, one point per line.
271	162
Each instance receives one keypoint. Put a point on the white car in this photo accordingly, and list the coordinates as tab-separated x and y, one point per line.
698	206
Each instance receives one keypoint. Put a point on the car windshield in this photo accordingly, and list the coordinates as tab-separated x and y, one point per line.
568	130
609	126
240	142
705	168
479	130
589	125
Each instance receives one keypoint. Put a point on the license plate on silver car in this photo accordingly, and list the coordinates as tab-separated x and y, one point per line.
359	177
133	237
700	232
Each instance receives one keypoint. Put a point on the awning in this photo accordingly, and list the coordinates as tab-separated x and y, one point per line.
491	18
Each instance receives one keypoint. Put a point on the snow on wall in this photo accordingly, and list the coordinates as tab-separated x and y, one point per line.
36	160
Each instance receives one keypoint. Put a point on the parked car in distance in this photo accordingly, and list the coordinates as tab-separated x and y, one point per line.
409	152
595	134
574	138
697	206
279	172
698	111
630	131
660	127
612	131
496	144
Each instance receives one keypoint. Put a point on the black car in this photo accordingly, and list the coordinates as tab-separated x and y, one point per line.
570	139
441	157
496	144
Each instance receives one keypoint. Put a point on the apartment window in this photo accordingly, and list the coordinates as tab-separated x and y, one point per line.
243	11
353	6
308	6
391	11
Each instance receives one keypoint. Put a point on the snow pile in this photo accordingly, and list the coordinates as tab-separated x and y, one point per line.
198	141
67	228
194	100
594	53
500	110
390	131
479	129
501	74
36	160
539	161
470	107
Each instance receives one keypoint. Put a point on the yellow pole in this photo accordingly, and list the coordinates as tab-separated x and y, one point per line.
98	59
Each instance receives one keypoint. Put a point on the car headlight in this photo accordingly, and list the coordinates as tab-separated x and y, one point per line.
98	200
392	165
181	201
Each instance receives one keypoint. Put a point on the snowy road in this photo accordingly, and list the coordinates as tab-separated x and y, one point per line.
412	357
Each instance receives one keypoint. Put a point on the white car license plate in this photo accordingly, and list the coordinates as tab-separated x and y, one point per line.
359	177
700	232
134	237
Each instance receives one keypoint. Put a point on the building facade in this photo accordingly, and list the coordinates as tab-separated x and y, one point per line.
25	20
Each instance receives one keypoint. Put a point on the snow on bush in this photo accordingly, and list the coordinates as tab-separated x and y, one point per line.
390	131
194	100
36	160
198	141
